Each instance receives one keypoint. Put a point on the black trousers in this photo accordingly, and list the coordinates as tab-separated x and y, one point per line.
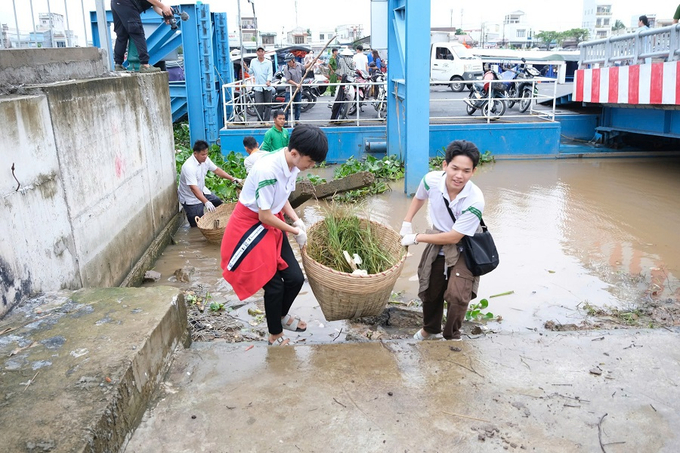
128	25
282	289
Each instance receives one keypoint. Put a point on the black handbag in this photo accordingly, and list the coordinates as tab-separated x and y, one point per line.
479	251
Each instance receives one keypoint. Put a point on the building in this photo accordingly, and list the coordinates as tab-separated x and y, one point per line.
249	33
298	35
516	31
350	32
51	25
597	19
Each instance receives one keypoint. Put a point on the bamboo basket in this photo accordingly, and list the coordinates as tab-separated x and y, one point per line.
342	295
212	224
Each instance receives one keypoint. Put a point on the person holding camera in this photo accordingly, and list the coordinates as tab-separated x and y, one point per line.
127	23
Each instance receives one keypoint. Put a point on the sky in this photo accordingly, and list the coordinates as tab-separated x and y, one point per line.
280	15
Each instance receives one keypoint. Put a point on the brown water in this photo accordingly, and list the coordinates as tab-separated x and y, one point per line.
569	232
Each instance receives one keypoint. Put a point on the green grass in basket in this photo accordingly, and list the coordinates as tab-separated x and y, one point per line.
337	233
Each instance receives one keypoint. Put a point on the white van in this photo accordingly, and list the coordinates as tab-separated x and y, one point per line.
452	61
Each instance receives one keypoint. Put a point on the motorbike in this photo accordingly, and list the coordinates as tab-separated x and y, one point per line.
344	99
491	104
308	98
362	89
523	90
380	102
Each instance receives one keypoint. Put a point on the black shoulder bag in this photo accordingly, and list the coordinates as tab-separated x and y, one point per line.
479	251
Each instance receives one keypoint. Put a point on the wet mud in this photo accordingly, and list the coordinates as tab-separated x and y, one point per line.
584	244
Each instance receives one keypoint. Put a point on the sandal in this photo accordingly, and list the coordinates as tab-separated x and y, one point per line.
281	341
420	337
287	324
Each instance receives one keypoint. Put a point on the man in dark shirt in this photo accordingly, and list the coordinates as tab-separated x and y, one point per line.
128	25
293	72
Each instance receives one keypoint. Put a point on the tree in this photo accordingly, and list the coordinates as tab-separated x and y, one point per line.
618	25
548	37
460	31
578	34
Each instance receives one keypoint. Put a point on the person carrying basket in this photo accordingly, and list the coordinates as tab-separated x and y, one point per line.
255	251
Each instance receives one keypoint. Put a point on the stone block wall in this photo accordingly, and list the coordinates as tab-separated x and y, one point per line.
94	160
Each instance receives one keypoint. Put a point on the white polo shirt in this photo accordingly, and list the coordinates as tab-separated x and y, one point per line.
360	61
269	183
193	174
467	207
253	157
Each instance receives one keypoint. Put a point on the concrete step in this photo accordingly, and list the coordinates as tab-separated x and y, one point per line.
78	369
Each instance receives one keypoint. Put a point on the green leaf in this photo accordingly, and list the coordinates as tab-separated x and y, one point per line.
484	303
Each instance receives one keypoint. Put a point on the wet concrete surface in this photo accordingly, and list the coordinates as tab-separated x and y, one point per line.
613	391
78	369
601	232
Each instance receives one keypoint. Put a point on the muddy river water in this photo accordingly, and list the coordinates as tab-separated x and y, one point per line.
570	233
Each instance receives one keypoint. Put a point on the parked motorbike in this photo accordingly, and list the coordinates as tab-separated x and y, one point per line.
308	98
492	105
361	79
523	90
344	99
380	103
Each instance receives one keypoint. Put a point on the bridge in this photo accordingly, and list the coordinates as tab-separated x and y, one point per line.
636	80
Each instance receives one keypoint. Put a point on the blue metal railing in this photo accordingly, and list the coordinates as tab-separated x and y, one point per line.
632	48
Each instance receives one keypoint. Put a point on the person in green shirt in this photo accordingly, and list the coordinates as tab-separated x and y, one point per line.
333	65
276	137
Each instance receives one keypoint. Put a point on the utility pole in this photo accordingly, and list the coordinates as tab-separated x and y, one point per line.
82	9
68	27
16	23
257	29
104	32
35	37
461	18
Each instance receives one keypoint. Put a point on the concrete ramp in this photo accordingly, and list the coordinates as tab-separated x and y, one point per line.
78	369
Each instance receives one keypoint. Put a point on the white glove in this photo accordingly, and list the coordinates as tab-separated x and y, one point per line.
409	239
300	225
238	181
301	238
209	206
406	228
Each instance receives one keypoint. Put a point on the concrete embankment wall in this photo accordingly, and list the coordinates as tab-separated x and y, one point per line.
95	182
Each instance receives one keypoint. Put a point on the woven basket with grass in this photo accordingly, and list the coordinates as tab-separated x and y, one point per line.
343	295
212	224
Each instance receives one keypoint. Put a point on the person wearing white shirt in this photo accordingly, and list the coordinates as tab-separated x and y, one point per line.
192	192
254	152
255	252
261	69
456	205
360	60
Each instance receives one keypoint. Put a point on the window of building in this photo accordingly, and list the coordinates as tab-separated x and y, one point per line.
61	44
521	33
321	36
267	40
299	40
